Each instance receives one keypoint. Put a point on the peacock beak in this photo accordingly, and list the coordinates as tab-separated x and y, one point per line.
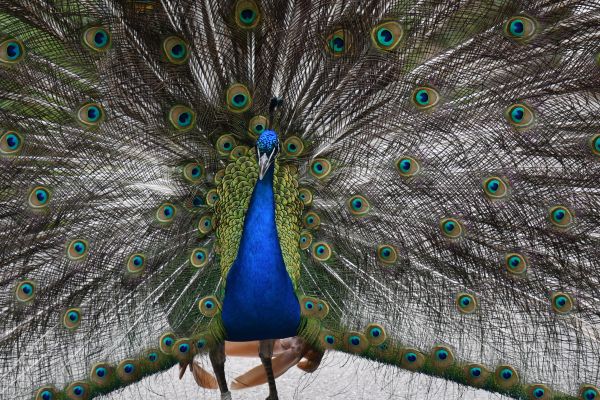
264	162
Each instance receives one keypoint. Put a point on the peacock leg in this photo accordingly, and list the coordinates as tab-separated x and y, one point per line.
217	359
266	352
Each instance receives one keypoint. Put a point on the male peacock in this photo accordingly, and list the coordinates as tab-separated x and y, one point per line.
414	182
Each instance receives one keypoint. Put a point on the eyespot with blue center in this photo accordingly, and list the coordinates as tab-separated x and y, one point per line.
475	372
209	306
309	305
78	391
561	216
358	205
425	97
519	115
165	213
305	240
168	341
441	354
199	257
506	374
515	263
354	340
238	98
247	14
293	146
47	395
97	38
320	168
407	166
11	51
93	113
200	344
184	348
330	340
387	35
321	251
538	393
387	254
410	357
90	115
517	27
39	197
25	291
451	228
175	50
466	303
153	357
128	368
77	249
520	28
205	224
562	303
590	394
182	118
10	143
337	42
101	372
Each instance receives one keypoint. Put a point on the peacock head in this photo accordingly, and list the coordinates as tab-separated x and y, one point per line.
267	146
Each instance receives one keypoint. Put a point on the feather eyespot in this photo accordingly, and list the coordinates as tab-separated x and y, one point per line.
237	152
539	392
25	291
257	125
376	334
72	318
212	197
387	35
166	212
466	303
425	98
97	38
182	117
238	98
127	370
356	342
306	196
595	144
100	374
358	205
320	168
205	224
183	350
136	263
39	197
225	144
338	43
152	356
311	220
193	172
386	253
589	392
308	306
176	50
166	342
520	28
506	376
209	306
305	240
477	374
408	166
495	187
11	143
562	303
199	257
11	51
78	391
46	393
77	249
560	216
90	115
412	359
247	14
201	344
321	251
451	228
520	116
442	357
293	146
515	263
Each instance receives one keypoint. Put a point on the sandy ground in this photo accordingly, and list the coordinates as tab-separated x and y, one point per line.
339	377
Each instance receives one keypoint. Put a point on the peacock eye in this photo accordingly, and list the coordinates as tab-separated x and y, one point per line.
182	117
595	144
515	263
442	357
199	257
46	395
520	116
101	372
475	372
78	391
305	240
309	305
128	368
238	98
321	251
25	291
387	254
589	393
166	343
408	166
176	50
193	172
39	197
166	213
91	114
506	376
561	303
495	187
466	303
320	168
358	205
330	339
153	357
77	249
184	348
200	344
10	143
205	224
451	228
225	144
136	263
209	306
212	197
247	14
72	318
306	196
387	35
312	220
293	146
520	28
97	38
425	98
540	392
257	125
376	334
11	51
561	216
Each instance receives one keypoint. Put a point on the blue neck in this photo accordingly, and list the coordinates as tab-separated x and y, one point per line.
260	302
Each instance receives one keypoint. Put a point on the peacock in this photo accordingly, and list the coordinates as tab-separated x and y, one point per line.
414	182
